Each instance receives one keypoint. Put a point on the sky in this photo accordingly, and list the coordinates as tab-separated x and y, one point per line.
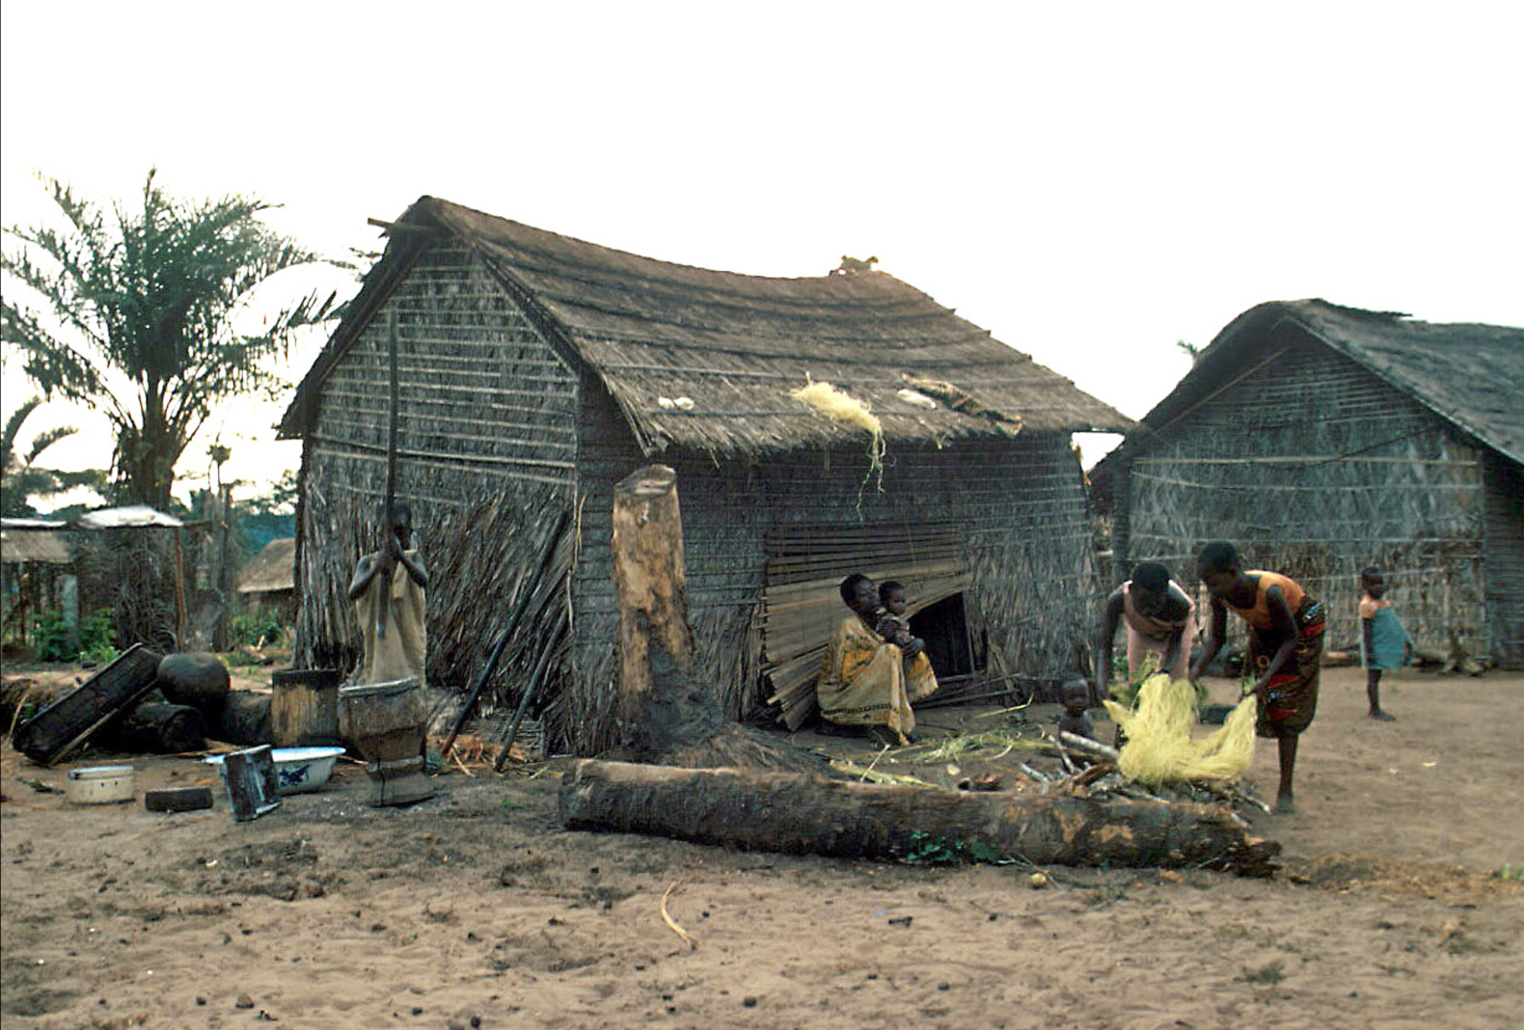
1090	182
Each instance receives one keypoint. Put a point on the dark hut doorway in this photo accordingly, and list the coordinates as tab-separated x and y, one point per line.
801	605
944	627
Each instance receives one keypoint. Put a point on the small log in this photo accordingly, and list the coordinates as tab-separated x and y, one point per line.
799	814
158	727
245	719
178	799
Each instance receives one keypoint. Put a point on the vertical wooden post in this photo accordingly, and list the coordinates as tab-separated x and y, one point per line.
223	632
179	593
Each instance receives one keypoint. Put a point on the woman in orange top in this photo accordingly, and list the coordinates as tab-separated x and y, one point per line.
1285	647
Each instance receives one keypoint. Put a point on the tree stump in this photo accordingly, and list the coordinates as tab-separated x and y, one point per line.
660	705
665	713
798	814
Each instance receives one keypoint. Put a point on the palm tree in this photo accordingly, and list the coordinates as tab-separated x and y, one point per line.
21	479
145	301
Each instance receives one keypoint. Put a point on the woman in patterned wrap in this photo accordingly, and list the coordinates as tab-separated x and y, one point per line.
866	680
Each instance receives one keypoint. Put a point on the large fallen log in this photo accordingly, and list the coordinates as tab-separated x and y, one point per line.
801	814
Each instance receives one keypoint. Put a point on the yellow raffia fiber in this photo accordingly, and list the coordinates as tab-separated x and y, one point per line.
1159	747
841	407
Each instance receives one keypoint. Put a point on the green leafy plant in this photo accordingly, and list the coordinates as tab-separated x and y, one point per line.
97	638
50	636
926	849
256	629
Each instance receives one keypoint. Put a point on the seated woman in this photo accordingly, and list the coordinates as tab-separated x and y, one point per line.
866	680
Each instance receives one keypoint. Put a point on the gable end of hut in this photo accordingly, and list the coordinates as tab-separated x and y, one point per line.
1319	464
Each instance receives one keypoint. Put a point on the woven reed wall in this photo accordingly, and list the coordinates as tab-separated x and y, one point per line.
1020	504
486	458
496	436
1316	468
131	573
1505	560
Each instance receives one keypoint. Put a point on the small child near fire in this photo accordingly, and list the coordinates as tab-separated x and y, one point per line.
1075	697
891	623
1384	642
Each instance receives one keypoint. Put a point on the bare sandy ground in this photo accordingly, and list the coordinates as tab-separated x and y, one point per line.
476	908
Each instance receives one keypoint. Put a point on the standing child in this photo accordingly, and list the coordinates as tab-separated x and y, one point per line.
1285	647
1384	642
397	648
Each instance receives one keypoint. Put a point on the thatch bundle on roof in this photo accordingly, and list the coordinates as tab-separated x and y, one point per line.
537	370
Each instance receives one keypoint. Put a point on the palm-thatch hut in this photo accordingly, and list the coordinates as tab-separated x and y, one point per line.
267	581
536	371
1324	439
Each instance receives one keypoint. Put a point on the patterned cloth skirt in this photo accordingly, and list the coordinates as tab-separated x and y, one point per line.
1292	697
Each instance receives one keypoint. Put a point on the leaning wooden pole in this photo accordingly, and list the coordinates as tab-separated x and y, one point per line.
389	504
801	814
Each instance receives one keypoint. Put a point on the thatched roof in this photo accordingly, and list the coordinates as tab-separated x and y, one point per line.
272	569
1467	374
18	546
735	345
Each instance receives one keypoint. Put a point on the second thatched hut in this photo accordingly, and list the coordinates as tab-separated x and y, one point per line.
1323	439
